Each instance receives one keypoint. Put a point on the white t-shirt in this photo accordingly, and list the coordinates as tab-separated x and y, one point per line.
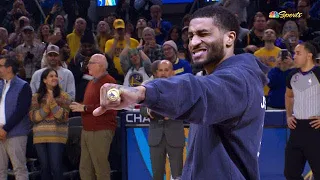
135	77
2	103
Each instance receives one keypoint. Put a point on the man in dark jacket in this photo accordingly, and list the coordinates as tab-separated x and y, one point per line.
225	108
166	136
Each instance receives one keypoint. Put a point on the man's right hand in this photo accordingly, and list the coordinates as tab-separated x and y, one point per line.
128	96
291	121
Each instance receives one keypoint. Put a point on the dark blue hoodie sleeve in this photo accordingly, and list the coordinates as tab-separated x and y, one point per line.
275	79
203	100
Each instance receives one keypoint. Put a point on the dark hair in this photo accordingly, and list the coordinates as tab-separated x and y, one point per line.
312	47
42	91
178	31
11	61
222	18
154	66
259	15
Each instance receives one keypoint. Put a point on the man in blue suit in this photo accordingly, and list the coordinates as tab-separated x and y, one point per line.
15	101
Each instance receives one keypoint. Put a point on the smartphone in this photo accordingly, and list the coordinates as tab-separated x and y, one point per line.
284	54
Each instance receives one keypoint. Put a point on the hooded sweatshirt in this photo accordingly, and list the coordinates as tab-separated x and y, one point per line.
225	110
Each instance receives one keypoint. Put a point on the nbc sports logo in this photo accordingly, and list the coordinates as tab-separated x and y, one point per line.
273	14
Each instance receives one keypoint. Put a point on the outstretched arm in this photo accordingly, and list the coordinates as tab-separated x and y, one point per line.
206	100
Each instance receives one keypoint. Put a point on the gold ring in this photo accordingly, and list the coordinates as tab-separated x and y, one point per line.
113	94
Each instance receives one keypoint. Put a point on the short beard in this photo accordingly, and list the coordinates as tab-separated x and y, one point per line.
214	56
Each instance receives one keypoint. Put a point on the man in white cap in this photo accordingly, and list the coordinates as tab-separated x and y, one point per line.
66	79
170	51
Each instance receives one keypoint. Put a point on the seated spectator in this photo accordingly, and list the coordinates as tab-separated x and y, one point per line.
238	7
186	20
74	38
253	41
56	20
290	37
103	34
139	67
141	24
129	29
275	25
30	52
110	20
44	33
277	82
180	66
306	33
13	16
15	38
184	51
311	15
66	79
49	112
148	45
175	35
64	53
126	11
160	26
143	7
4	47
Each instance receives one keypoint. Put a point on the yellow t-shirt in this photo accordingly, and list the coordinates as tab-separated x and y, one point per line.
271	56
120	46
74	43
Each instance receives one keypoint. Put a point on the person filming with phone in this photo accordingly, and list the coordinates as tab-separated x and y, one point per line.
277	80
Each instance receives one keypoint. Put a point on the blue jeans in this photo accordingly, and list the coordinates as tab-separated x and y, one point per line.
50	158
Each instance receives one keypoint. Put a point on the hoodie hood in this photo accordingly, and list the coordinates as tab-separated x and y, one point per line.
248	61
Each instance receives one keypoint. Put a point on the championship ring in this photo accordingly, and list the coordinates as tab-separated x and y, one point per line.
113	94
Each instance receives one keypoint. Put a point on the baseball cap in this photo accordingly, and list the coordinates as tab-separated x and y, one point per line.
118	23
52	49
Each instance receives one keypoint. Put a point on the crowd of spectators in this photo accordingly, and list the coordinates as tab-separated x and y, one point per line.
136	35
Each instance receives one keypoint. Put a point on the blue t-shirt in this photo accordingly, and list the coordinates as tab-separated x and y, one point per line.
181	66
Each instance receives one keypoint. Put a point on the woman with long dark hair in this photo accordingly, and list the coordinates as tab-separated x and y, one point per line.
49	112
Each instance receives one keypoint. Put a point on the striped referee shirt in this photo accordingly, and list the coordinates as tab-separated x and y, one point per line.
306	91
